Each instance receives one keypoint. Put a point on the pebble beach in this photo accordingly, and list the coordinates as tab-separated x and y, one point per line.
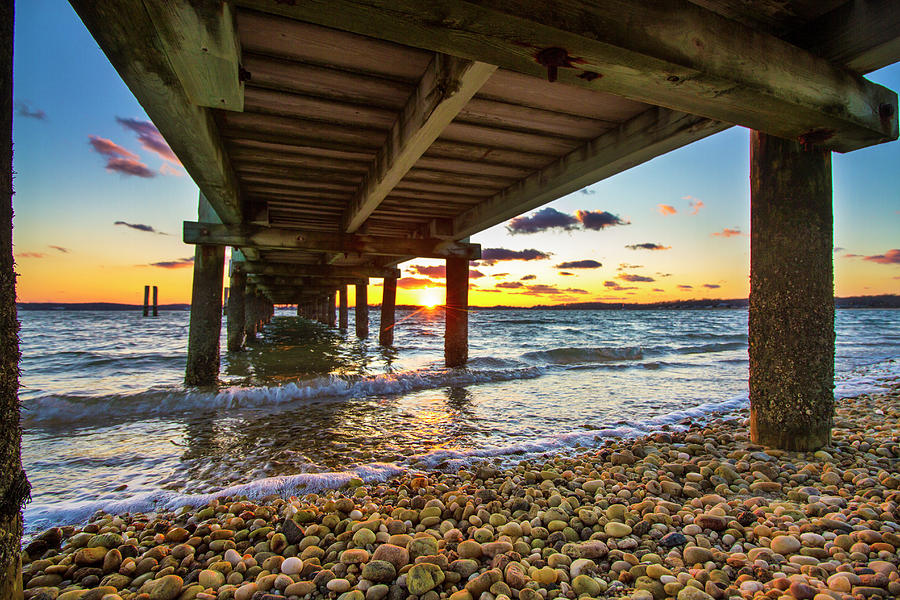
693	515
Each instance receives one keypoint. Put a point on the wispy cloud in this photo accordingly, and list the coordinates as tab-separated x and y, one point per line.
30	255
666	209
140	227
528	278
579	264
648	246
598	219
490	256
150	138
23	109
712	286
179	263
414	283
614	285
695	203
60	249
543	220
728	232
623	266
838	249
118	159
509	285
685	287
440	271
566	274
891	257
634	278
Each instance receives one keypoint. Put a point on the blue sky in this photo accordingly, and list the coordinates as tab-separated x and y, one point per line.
67	198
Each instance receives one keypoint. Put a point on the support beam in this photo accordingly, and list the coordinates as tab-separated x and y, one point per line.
670	53
250	324
445	88
343	317
294	270
253	236
155	301
362	311
206	315
330	309
301	282
200	40
791	321
388	308
456	313
14	486
146	301
236	310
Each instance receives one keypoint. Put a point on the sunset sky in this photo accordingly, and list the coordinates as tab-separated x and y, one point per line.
100	201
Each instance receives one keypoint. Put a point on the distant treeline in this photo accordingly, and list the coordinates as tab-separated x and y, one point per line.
94	306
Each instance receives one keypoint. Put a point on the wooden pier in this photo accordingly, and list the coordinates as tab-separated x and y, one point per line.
332	141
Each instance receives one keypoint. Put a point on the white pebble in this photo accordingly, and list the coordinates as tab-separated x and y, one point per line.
291	565
232	556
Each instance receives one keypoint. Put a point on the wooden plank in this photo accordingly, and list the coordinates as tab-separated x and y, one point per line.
491	113
301	131
670	53
203	49
302	282
494	137
484	181
471	152
460	190
445	88
130	40
464	167
296	185
289	270
300	150
251	236
313	175
274	102
297	161
648	135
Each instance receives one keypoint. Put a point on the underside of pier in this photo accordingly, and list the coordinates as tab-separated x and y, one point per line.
333	140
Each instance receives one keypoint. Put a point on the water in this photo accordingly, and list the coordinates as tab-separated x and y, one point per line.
108	424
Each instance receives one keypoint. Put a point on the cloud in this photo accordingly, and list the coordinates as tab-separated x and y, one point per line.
542	289
24	110
491	291
891	257
543	220
657	290
615	286
180	263
648	246
685	287
30	255
119	159
566	274
727	233
598	219
509	285
440	271
413	283
695	203
634	278
661	275
579	264
588	192
139	227
838	249
623	266
666	209
499	275
528	277
168	169
489	256
59	249
712	286
150	138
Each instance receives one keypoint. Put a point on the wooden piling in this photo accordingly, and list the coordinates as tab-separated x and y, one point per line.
146	300
456	313
791	321
330	308
236	307
250	324
14	485
362	310
155	301
388	307
343	317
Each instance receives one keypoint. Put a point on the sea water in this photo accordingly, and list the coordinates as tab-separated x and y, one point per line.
109	425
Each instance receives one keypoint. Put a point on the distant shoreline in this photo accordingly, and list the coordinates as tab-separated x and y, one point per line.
882	301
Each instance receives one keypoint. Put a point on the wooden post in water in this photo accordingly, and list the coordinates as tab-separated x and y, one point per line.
146	300
249	315
388	306
206	308
343	317
299	309
330	308
155	301
236	307
14	485
362	310
456	313
791	321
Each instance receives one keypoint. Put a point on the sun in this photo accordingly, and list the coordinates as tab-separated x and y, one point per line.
431	297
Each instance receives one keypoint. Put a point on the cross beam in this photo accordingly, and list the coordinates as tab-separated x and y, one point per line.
669	53
266	238
293	270
301	282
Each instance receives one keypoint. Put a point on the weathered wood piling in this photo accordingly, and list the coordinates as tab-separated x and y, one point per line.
388	309
146	300
155	301
791	321
456	313
362	310
343	316
236	306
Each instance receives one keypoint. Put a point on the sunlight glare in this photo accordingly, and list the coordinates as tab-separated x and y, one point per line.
431	297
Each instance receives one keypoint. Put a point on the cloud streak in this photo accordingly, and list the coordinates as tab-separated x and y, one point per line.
24	110
579	264
728	232
634	278
548	219
598	219
59	249
648	246
891	257
139	227
490	256
666	209
150	138
695	203
118	159
413	283
179	263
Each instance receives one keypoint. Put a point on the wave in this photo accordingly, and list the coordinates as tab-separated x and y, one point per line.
565	356
62	409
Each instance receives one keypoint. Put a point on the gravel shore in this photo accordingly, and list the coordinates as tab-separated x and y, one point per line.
695	515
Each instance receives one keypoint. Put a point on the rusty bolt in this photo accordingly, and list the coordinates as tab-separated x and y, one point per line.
553	58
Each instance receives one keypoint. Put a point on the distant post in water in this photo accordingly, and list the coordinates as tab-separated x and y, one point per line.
456	313
236	306
330	307
343	317
155	301
362	310
249	312
388	307
146	300
791	319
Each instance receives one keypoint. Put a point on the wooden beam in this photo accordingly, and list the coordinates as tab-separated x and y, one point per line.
300	282
200	40
292	270
644	137
251	236
135	47
445	88
669	53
